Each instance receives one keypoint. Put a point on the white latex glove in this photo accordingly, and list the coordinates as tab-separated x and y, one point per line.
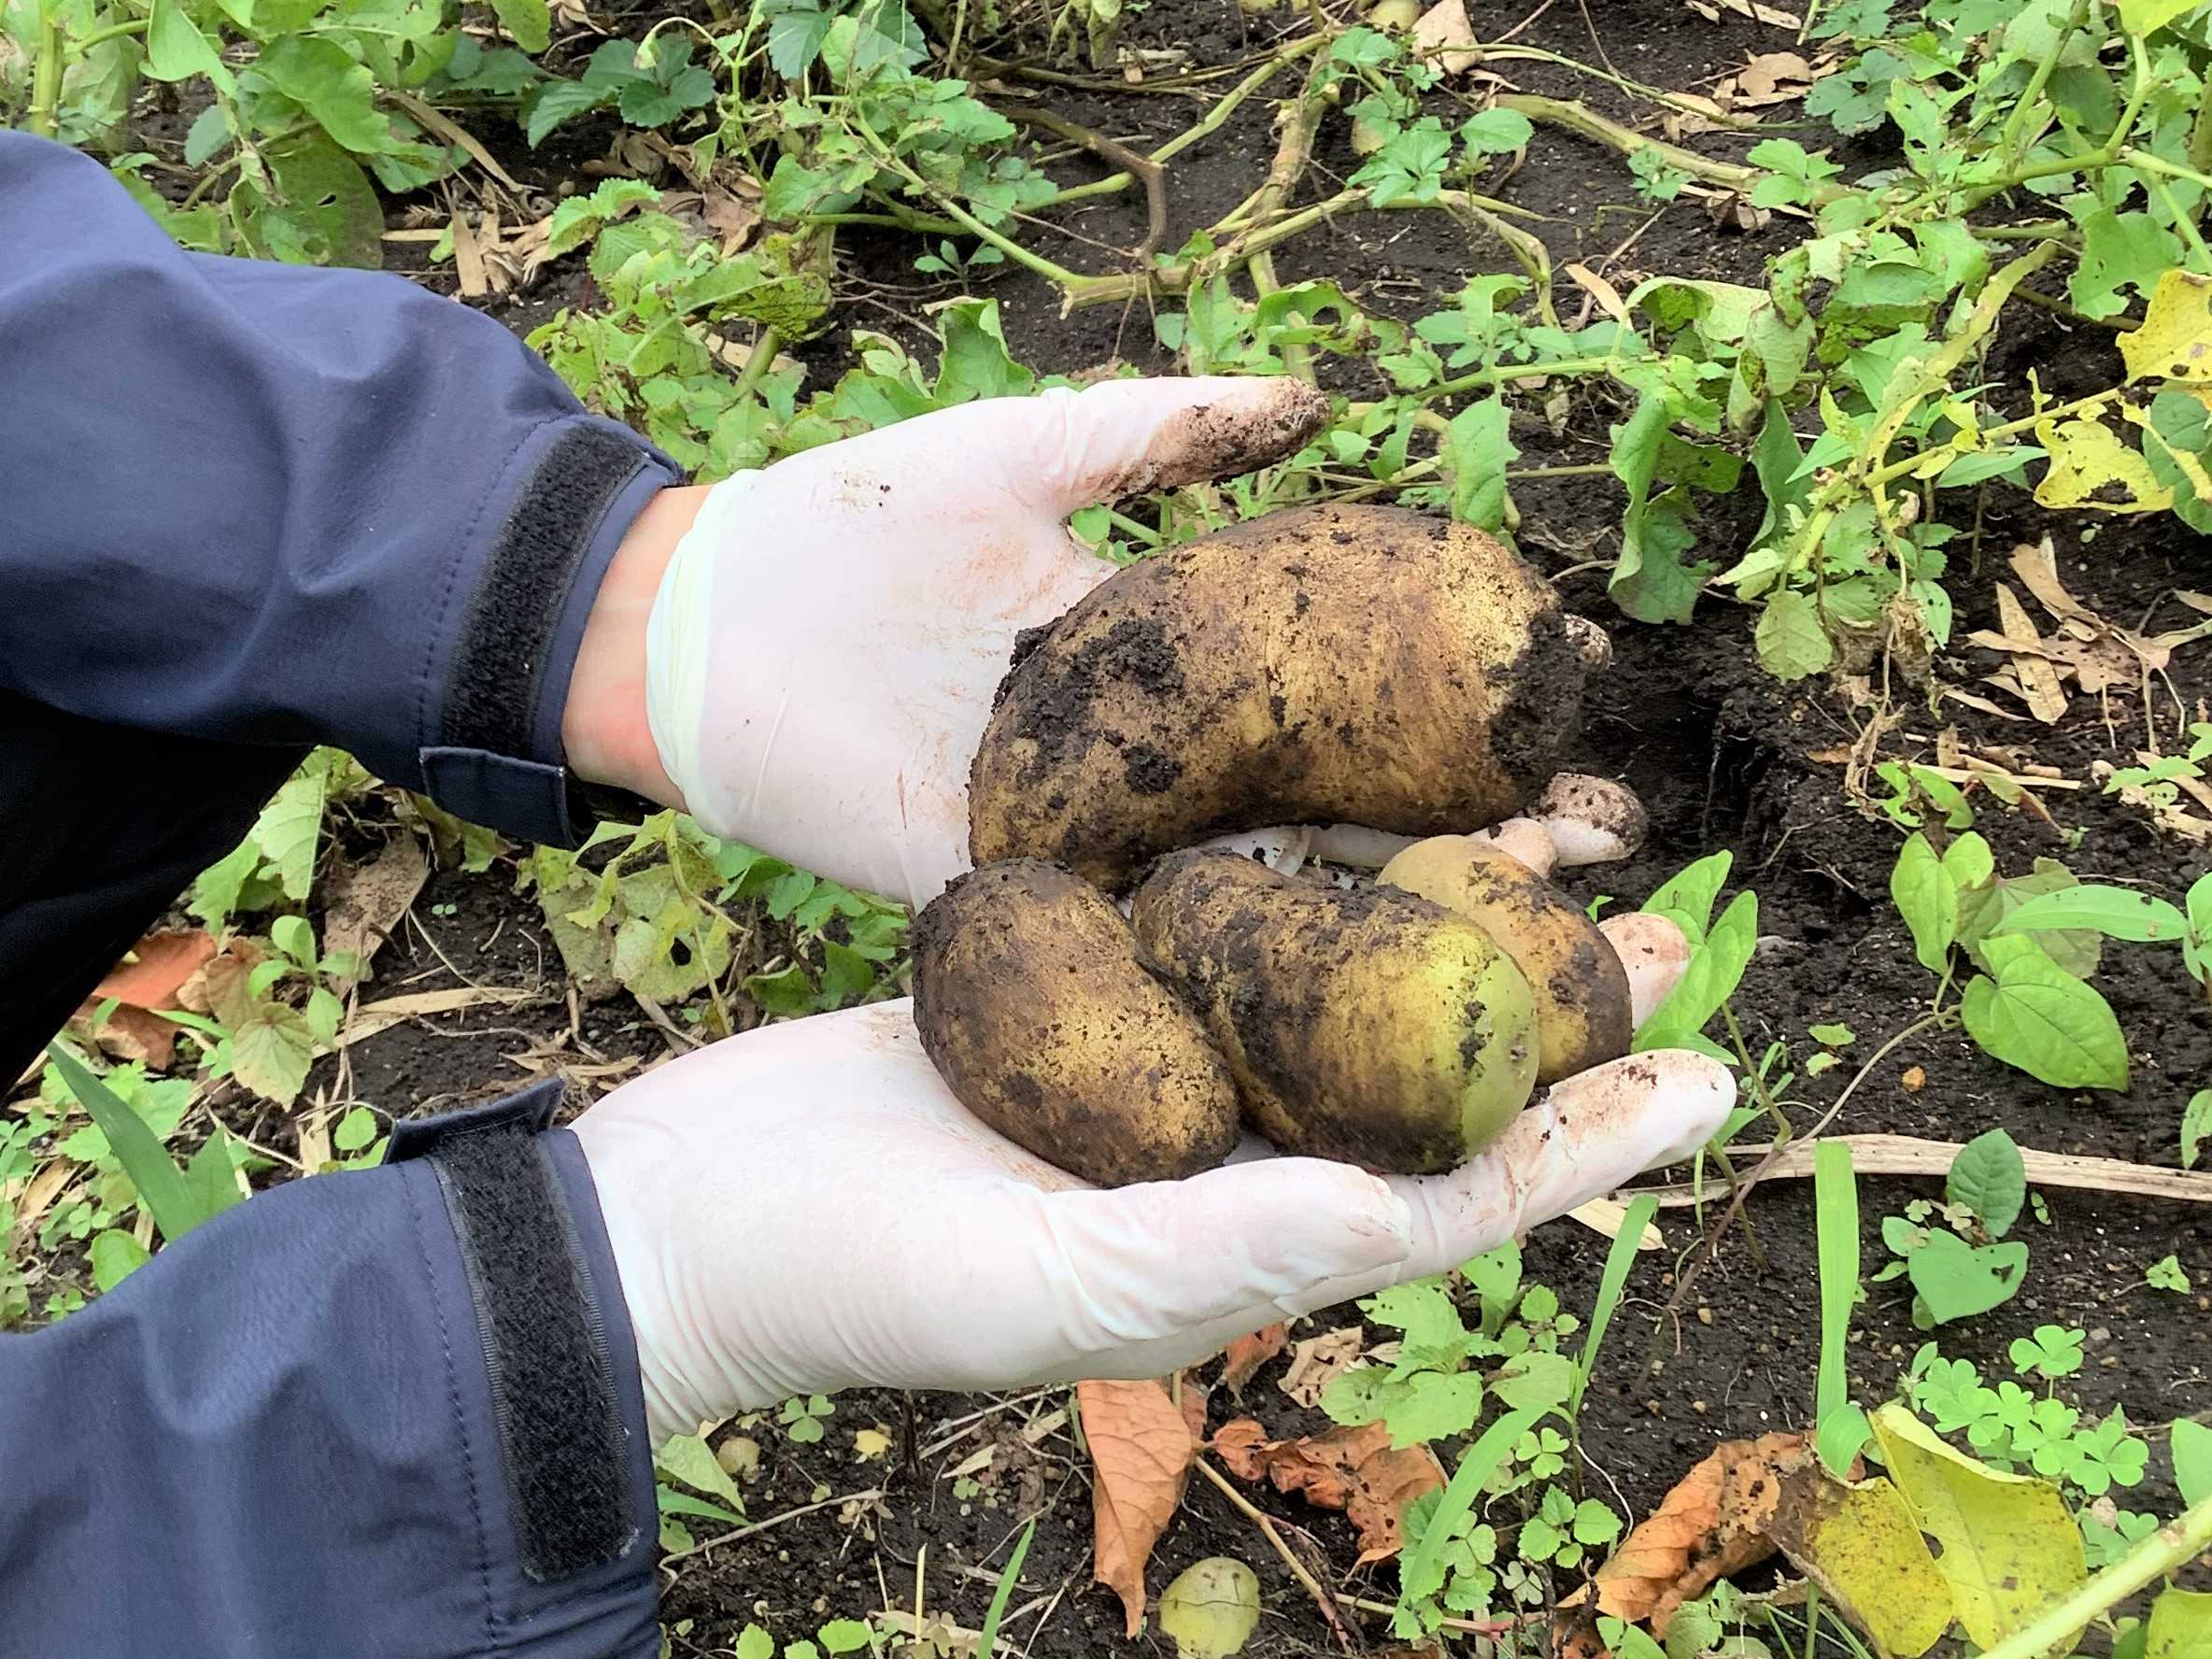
826	640
806	1207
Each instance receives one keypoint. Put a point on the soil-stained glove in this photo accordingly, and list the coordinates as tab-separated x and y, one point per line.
806	1207
825	642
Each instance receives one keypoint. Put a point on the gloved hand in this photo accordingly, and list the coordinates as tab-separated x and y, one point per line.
823	644
805	1207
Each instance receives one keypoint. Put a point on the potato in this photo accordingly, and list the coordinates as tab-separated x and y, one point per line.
1036	1010
1583	1004
1330	664
1364	1024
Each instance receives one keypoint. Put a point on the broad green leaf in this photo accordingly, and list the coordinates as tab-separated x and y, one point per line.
2180	1626
1968	862
176	50
2120	251
755	1643
322	77
1926	900
1791	643
2196	1126
114	1255
2191	1443
2010	1546
1476	453
1688	897
1535	1380
1990	1178
1861	1543
2032	1013
1211	1608
1651	583
795	39
530	22
1958	1279
215	889
844	1635
327	212
786	993
976	363
271	1052
1716	968
1497	131
162	1187
355	1130
2118	912
688	1460
2140	17
1432	1406
550	103
1496	1275
212	1173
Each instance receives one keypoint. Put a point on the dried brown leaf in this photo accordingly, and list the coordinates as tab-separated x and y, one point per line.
1141	1448
164	962
1354	1470
1444	30
1315	1362
1246	1354
366	902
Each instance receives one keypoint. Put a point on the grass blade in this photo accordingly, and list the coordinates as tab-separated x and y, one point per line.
987	1638
1482	1459
1617	1263
160	1184
1836	1207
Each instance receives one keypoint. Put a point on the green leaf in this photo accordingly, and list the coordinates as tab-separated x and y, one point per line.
755	1643
530	22
1475	452
1476	1466
1716	968
2119	250
271	1052
2180	1626
785	993
1688	897
1981	465
1925	897
2196	1126
161	1185
1535	1380
1968	861
355	1130
1651	583
327	211
987	1637
1842	1436
1791	643
845	1635
1990	1178
688	1460
1211	1608
212	1173
176	50
2191	1443
2140	17
976	363
215	889
1958	1279
795	36
2035	1015
114	1255
2118	912
2167	1273
322	77
669	1501
1433	1406
1497	131
550	103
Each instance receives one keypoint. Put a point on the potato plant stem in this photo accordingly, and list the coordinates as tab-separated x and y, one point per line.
1578	118
113	32
2173	1545
46	78
2012	140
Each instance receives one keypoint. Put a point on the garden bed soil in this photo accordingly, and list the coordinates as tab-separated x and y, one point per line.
1722	756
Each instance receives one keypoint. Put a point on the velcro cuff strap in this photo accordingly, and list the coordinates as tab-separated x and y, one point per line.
545	1347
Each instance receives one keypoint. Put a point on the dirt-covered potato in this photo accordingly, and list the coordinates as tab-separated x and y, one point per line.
1582	1013
1036	1010
1364	1024
1330	664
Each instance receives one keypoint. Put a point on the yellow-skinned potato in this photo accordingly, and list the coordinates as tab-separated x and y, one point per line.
1330	664
1037	1010
1367	1025
1583	1006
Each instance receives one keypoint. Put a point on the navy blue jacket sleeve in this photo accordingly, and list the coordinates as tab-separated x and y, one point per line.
345	1419
264	502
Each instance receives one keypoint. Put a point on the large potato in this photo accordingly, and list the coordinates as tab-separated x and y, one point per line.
1354	664
1036	1010
1367	1025
1582	1013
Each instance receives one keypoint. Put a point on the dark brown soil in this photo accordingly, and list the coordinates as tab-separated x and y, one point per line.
1722	757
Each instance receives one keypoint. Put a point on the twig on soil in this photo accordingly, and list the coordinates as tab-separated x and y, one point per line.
870	1495
1911	1155
1322	1598
1144	167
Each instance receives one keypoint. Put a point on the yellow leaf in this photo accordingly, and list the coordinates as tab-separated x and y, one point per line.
2180	1626
2174	342
870	1444
1212	1608
2009	1547
2140	17
1859	1543
2090	467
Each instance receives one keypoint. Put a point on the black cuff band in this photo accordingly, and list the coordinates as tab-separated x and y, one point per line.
552	1380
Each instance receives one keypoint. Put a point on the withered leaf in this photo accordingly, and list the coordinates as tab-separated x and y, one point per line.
1142	1449
1354	1470
1246	1354
1315	1362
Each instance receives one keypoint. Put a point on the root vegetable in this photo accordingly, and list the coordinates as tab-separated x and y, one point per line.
1525	839
1580	988
1653	951
1369	1025
1333	664
1592	820
1036	1008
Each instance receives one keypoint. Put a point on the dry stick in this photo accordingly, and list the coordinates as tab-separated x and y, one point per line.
1322	1598
1153	175
1909	1154
870	1495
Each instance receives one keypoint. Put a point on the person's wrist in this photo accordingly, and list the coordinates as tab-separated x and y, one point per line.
604	732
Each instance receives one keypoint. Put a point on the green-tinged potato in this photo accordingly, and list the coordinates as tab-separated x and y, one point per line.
1037	1010
1330	664
1583	1006
1364	1024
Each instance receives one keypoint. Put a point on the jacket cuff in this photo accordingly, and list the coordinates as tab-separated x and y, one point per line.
565	1407
494	754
